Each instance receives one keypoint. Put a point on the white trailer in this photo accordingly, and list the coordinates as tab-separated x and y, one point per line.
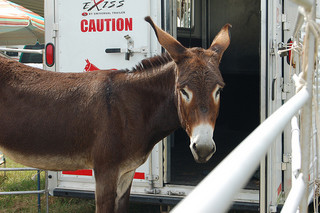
85	35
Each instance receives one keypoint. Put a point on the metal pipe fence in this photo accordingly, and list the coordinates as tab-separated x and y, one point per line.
39	191
21	50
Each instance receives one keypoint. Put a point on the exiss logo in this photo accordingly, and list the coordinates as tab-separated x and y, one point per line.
101	11
101	5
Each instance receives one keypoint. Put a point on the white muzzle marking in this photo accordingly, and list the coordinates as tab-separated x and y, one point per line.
201	143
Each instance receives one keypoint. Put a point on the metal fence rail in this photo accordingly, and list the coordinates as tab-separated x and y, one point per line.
21	50
39	191
21	192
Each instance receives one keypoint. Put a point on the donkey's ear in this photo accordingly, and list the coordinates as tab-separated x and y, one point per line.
221	42
174	47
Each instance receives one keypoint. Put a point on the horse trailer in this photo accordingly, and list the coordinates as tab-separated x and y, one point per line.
87	35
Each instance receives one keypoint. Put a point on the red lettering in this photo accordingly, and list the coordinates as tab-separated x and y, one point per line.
113	24
128	24
120	24
108	24
84	25
92	26
100	25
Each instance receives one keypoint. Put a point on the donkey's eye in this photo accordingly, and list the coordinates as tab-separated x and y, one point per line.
216	93
186	94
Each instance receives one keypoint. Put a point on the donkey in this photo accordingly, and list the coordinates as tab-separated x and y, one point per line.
111	120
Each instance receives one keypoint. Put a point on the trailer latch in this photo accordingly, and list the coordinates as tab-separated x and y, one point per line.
130	50
282	49
130	45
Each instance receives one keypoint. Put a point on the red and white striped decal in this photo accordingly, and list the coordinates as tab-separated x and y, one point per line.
89	172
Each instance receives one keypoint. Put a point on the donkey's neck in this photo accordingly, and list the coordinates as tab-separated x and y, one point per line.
156	90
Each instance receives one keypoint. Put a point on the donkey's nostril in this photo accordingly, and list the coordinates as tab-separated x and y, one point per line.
194	146
214	149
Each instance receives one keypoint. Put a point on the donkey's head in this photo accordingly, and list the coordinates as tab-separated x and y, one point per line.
198	86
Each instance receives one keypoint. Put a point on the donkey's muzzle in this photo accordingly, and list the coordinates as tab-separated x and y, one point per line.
202	145
203	152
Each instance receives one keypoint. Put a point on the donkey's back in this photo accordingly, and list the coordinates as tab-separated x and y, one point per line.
47	119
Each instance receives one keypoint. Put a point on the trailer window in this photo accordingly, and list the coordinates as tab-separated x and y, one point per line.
185	14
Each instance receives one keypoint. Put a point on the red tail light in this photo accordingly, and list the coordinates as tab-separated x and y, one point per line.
289	45
50	54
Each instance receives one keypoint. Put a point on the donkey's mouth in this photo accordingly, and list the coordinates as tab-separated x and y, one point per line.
200	159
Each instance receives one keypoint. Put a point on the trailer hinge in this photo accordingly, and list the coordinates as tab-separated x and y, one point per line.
273	208
272	47
152	177
285	89
284	166
286	159
152	191
286	24
55	29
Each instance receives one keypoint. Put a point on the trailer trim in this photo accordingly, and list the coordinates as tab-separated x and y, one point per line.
148	199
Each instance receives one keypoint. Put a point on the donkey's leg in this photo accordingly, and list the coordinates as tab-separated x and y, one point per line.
112	191
123	191
106	190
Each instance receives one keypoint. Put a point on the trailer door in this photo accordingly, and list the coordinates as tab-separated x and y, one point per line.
271	100
108	34
89	35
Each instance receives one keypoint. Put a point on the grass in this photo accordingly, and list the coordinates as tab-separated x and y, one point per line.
25	181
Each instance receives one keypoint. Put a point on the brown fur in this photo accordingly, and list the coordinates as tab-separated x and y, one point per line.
105	120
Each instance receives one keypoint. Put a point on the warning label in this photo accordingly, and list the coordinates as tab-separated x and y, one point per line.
108	24
96	16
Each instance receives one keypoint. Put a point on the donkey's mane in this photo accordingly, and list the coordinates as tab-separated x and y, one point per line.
151	63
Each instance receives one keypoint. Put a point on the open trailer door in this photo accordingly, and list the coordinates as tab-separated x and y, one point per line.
85	36
271	174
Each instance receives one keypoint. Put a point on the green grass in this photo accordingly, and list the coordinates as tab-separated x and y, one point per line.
23	181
